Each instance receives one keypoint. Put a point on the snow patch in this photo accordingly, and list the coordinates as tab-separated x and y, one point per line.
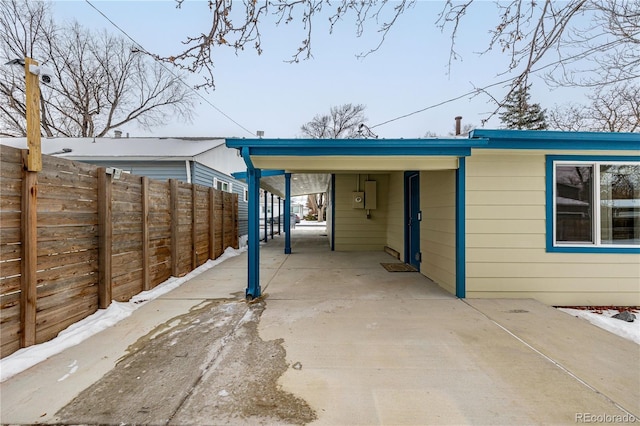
98	321
627	330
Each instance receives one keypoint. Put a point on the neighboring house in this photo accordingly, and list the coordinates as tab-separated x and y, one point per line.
204	161
553	216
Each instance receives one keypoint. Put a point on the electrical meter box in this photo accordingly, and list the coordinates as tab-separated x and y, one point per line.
370	199
358	200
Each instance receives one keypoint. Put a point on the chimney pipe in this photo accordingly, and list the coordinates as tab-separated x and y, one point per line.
458	125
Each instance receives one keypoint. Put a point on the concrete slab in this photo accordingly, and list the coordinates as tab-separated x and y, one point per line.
356	362
35	395
365	346
604	361
218	283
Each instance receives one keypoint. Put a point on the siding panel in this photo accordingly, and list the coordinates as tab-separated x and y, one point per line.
437	229
395	213
506	240
353	231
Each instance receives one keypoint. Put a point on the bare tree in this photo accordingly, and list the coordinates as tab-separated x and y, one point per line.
101	82
317	205
341	122
611	109
581	42
241	29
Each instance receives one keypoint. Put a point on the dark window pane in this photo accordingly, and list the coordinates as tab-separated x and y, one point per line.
574	204
620	204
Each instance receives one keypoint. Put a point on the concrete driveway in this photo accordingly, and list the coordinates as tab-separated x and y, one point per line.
363	347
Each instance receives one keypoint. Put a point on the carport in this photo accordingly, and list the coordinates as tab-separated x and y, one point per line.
314	163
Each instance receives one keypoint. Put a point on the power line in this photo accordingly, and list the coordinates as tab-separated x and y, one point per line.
464	95
482	89
168	69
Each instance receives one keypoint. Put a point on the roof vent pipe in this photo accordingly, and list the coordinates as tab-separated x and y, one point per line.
458	125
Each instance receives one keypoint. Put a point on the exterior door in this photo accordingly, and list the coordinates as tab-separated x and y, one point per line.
412	253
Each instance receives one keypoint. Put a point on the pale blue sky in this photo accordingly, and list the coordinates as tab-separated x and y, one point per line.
408	73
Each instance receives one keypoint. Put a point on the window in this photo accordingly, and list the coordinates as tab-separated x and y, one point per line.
222	185
596	205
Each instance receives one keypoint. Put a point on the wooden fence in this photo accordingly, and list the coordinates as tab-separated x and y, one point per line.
73	238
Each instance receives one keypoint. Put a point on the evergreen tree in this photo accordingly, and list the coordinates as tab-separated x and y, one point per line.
519	113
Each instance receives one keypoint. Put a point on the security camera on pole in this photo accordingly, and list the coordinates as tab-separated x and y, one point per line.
31	73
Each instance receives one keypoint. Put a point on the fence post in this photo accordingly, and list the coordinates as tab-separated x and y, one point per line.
105	234
173	191
212	223
235	222
194	231
222	237
146	282
29	262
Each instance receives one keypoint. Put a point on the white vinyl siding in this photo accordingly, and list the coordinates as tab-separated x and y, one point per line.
506	239
438	227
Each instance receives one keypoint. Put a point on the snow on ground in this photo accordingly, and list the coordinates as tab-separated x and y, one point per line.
628	330
117	311
100	320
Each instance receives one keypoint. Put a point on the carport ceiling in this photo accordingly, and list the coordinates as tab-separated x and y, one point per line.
301	183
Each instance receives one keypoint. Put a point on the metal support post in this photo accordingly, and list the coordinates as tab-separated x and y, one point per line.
253	284
287	213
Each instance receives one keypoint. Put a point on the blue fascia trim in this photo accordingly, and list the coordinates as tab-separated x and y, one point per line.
555	140
549	218
461	257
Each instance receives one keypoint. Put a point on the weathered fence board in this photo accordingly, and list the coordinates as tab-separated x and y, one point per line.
73	238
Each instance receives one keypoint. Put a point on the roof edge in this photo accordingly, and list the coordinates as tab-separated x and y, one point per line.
552	139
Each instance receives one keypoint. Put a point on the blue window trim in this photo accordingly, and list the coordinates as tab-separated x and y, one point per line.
550	159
